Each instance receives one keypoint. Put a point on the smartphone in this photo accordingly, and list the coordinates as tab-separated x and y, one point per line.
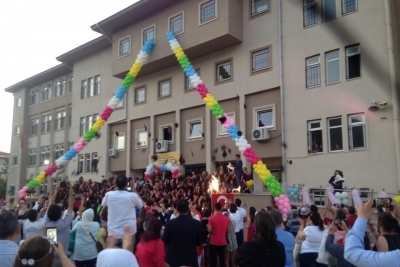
382	202
51	233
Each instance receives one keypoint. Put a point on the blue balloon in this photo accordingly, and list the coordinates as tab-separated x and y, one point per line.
170	35
120	93
148	46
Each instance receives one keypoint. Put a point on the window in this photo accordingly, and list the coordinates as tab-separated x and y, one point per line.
148	34
97	85
313	72
90	91
82	126
314	137
141	138
166	133
95	161
71	83
125	46
46	92
176	24
87	163
60	119
33	126
258	6
14	161
32	157
310	13
81	161
83	89
188	84
45	155
335	134
195	129
221	131
17	130
34	96
17	102
58	151
264	117
328	10
59	89
349	6
164	88
70	116
95	117
332	67
140	95
89	122
224	71
353	62
46	122
120	141
357	131
208	11
260	60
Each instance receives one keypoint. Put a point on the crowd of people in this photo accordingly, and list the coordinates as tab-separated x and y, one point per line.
155	228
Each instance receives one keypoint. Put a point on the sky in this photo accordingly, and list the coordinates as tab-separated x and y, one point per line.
34	33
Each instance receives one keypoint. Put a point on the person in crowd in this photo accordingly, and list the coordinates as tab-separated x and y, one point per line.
388	239
150	250
218	227
336	250
102	234
39	252
293	224
250	224
119	217
351	216
204	223
264	250
182	235
312	233
231	247
284	237
238	170
33	225
337	181
234	216
243	220
85	250
140	226
53	218
9	232
354	251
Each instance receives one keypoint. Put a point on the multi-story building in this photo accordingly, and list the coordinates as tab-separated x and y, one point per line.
298	78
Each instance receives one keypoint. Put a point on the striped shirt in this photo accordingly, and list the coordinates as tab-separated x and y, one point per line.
8	251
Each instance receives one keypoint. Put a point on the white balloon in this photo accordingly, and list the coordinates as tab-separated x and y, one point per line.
345	201
337	194
344	194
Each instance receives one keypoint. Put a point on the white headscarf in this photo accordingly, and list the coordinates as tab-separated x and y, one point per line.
116	257
87	219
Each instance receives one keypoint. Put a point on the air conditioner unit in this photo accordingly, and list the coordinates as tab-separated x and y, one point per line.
260	134
113	153
162	146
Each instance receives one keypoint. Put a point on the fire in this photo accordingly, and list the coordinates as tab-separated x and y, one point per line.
214	184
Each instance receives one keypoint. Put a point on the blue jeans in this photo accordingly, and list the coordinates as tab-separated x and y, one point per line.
310	260
239	237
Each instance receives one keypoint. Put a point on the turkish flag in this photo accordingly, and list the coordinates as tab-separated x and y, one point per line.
221	198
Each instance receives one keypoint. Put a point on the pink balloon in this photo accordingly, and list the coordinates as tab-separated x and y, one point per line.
281	201
276	199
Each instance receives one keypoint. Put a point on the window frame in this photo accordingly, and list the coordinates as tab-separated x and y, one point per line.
182	14
34	92
137	133
17	102
97	85
59	88
161	132
159	87
188	123
254	15
14	160
60	120
187	82
95	155
216	72
128	37
326	66
144	87
351	125
329	132
220	128
200	22
347	61
70	83
116	141
81	161
264	108
46	120
308	67
306	7
258	50
46	91
323	11
44	155
84	88
17	131
82	126
90	87
147	28
350	12
32	157
35	127
88	160
309	138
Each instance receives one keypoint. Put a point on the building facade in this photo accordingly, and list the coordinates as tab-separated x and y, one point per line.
298	78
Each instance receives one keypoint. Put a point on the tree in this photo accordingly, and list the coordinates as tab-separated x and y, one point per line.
3	179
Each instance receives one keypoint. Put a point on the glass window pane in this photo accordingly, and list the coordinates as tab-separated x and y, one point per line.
265	118
333	71
195	130
315	141
224	71
310	15
261	60
329	10
335	122
358	136
358	119
315	125
335	136
164	89
258	6
142	139
176	24
349	6
120	142
207	11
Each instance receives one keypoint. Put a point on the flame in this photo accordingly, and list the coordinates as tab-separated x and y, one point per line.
214	184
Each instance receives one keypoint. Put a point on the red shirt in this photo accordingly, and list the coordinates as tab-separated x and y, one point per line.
219	224
150	253
351	219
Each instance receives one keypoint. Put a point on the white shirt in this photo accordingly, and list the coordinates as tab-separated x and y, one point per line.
243	214
313	239
236	218
32	229
121	211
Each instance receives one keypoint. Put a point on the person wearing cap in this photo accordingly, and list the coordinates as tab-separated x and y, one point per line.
293	224
284	237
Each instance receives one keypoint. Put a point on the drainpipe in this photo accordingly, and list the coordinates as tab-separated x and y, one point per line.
393	87
282	95
98	26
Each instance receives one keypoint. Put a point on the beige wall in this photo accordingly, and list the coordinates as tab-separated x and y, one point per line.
139	158
118	163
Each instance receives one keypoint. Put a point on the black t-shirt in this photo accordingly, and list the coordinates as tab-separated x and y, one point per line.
250	255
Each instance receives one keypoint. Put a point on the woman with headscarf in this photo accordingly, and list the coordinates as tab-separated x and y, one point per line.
85	250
